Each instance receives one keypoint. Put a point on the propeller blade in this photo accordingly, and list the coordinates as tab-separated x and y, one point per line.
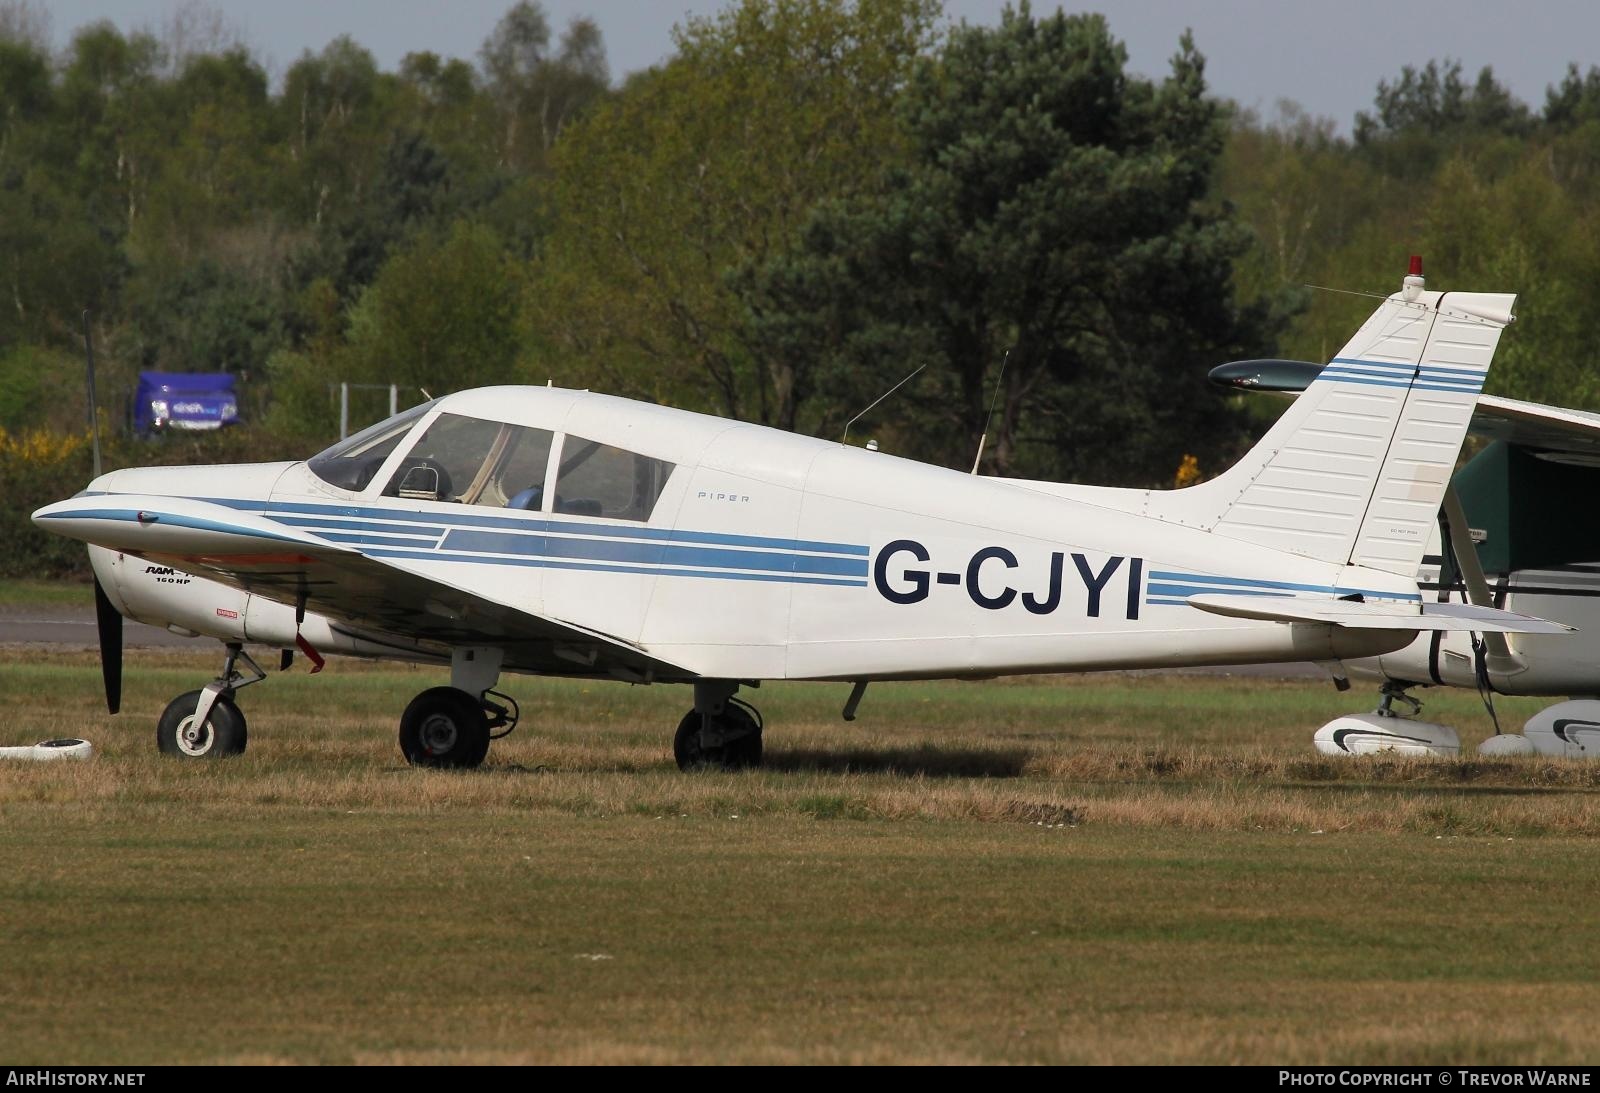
109	623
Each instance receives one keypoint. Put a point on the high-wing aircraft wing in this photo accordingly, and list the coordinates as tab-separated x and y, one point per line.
379	600
1552	429
1574	434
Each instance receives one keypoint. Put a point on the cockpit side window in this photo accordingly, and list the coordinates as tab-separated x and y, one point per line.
515	478
471	461
596	479
351	463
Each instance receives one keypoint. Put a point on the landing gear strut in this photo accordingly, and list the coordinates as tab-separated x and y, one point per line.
207	724
1392	692
452	726
720	732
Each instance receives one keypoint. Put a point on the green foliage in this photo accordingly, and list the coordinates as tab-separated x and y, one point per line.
41	387
1434	100
805	201
441	315
534	91
1494	199
1051	222
201	318
713	160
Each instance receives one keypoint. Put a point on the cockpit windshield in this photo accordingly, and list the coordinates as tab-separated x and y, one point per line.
351	463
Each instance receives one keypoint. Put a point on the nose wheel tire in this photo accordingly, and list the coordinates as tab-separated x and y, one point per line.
224	732
444	727
738	736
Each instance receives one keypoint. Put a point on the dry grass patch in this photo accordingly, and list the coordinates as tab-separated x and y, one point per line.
1090	870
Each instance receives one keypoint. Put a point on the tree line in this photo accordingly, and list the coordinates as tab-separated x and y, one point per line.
807	201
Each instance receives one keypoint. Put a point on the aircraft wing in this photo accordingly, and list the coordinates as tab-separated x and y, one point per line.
1574	434
1377	615
377	599
1571	433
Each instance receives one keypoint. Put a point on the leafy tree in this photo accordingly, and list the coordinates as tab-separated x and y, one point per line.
1052	220
1575	101
442	314
1435	99
216	171
57	255
1521	232
409	194
333	109
200	317
118	120
1428	113
25	23
536	90
713	160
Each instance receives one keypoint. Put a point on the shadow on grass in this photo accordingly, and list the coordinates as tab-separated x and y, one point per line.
927	762
1453	789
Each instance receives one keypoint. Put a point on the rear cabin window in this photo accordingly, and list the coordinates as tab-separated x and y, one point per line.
597	479
470	461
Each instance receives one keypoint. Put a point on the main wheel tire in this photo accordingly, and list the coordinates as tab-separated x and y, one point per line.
223	734
444	727
737	754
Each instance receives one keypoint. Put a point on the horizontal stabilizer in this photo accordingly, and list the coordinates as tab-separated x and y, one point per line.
1377	615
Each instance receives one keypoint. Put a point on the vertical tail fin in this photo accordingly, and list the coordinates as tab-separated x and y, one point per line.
1354	472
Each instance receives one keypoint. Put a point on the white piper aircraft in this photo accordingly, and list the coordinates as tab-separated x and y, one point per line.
568	533
1508	535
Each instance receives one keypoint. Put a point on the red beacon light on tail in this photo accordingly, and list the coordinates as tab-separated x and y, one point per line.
1413	282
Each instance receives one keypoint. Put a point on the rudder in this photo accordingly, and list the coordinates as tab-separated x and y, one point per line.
1355	470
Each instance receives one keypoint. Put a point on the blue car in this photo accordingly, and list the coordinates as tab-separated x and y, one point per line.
184	400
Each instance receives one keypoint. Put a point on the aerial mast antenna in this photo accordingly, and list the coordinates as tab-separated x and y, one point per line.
94	410
846	438
993	402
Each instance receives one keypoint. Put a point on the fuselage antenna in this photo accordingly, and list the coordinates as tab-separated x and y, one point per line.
94	409
846	438
993	402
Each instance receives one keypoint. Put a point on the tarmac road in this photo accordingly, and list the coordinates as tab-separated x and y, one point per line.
73	628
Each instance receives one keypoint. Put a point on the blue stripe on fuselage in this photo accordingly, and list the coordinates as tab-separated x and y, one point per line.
477	520
596	567
655	554
1201	583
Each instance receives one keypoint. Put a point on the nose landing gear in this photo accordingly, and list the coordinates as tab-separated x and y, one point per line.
207	724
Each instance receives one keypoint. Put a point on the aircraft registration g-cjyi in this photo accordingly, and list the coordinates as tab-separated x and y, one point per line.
569	533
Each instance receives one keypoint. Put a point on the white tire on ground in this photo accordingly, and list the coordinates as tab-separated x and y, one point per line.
1507	744
47	750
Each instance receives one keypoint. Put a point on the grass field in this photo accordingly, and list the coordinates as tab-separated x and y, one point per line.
1118	869
19	593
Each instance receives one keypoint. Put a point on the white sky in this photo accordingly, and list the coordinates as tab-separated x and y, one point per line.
1327	56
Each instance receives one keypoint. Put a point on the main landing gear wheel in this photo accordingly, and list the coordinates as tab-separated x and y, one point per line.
733	742
444	727
224	732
